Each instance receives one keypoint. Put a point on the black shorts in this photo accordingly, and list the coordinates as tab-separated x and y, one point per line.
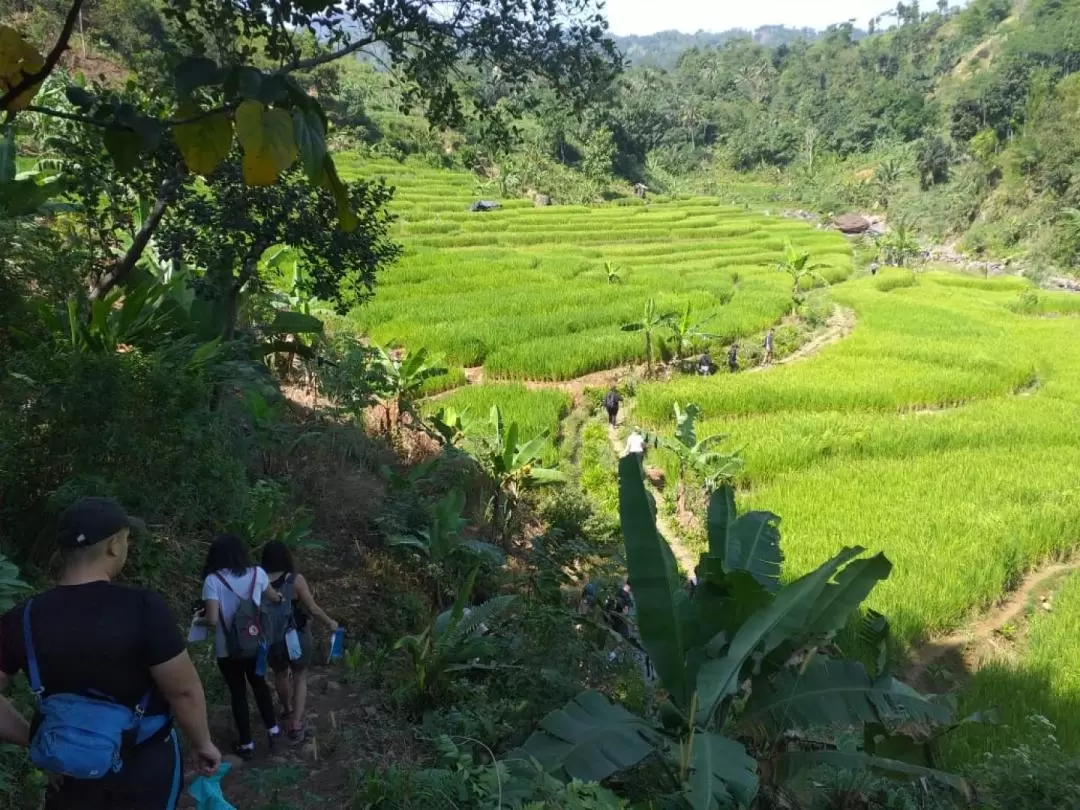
150	780
278	658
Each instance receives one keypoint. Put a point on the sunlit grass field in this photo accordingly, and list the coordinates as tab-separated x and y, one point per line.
525	292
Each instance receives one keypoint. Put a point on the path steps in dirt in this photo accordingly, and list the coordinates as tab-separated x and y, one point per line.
972	646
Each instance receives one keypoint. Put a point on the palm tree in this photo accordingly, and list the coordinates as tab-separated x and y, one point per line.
796	263
402	381
650	322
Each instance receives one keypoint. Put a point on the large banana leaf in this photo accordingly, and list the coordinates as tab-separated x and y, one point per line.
662	603
749	542
590	738
842	598
836	694
724	774
787	766
763	632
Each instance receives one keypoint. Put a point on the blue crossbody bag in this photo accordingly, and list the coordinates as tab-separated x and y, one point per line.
81	736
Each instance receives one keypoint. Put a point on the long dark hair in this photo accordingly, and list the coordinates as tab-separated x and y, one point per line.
277	557
227	552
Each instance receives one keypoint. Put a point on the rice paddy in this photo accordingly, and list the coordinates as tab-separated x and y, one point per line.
941	431
542	293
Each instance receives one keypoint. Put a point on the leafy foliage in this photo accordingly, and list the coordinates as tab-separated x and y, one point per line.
735	629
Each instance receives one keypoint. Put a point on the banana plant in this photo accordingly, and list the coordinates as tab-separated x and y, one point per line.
796	263
686	331
455	641
697	456
402	382
514	466
442	541
651	321
31	193
747	664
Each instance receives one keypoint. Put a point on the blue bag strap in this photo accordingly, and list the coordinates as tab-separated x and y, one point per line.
31	658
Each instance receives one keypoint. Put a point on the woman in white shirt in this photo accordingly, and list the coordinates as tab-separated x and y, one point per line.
228	577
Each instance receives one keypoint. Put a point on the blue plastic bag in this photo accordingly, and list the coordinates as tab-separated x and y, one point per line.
337	645
206	790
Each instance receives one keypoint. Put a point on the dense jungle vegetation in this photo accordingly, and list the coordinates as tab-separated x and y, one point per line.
244	286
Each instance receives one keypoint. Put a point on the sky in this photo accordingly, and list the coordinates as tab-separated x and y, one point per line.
649	16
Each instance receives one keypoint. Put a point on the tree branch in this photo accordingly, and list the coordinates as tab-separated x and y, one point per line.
50	61
333	56
121	269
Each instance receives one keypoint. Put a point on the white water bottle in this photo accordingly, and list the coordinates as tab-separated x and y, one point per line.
292	643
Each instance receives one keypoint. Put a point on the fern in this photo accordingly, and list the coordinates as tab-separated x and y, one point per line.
469	628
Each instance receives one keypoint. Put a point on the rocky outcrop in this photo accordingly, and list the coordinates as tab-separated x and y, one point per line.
851	224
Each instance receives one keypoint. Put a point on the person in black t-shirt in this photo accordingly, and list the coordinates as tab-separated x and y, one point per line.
92	636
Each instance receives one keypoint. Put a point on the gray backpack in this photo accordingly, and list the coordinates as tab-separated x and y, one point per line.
244	633
278	619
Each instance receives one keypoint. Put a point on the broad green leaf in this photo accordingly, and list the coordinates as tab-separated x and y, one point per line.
8	164
295	323
842	598
763	632
311	140
18	58
347	219
724	775
791	764
531	450
836	694
204	143
753	545
590	738
79	97
662	603
268	141
123	146
409	541
194	72
545	475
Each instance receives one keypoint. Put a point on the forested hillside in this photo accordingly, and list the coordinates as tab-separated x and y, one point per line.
511	334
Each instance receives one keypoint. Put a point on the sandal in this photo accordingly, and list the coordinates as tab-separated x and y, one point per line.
297	734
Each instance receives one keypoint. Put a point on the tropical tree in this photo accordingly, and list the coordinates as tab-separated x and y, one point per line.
443	543
614	274
886	176
686	331
898	248
512	465
796	263
402	380
651	320
747	664
695	456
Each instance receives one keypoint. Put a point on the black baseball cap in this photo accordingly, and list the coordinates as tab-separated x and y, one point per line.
90	521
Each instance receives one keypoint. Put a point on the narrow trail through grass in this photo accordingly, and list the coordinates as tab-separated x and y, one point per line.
683	555
840	324
970	647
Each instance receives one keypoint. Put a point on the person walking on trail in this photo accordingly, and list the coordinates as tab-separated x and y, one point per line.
233	593
770	340
705	365
612	401
635	445
111	673
733	358
297	608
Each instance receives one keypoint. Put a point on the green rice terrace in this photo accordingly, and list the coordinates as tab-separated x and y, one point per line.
938	426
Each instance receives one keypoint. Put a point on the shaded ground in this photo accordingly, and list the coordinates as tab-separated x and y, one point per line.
969	648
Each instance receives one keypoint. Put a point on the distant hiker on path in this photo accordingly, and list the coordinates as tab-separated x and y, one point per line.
705	365
612	400
89	636
297	609
635	445
770	339
233	590
733	358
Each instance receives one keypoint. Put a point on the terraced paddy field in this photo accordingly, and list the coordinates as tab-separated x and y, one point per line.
525	292
941	431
